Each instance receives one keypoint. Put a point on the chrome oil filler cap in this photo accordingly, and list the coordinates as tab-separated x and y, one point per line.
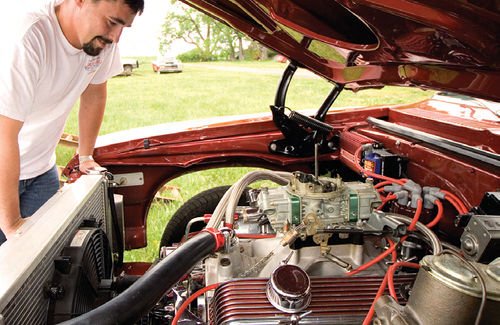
289	289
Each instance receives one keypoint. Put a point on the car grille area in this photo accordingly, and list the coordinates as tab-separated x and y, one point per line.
22	304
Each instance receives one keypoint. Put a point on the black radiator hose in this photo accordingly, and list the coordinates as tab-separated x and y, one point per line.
141	296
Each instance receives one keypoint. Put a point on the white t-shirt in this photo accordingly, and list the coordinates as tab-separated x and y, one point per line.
41	77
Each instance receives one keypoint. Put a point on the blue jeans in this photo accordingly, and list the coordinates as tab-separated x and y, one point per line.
34	192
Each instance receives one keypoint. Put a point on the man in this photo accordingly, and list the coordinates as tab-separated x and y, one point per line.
64	51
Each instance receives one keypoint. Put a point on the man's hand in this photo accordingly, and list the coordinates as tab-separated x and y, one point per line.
87	165
10	230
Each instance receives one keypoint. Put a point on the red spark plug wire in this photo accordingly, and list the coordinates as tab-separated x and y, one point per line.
186	303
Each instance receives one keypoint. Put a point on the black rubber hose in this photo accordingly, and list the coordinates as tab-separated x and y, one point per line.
141	296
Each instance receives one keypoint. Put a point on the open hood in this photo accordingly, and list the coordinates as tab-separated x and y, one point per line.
445	45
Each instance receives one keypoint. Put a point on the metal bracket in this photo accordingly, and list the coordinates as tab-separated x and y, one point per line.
337	260
298	141
129	179
378	221
302	132
295	318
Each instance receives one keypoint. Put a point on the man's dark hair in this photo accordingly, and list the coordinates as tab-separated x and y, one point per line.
136	6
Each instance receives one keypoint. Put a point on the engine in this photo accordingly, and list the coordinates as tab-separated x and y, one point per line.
315	224
314	251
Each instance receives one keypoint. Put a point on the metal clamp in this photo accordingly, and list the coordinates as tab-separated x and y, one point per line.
294	319
378	221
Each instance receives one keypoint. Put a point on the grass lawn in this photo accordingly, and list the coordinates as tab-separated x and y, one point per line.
146	98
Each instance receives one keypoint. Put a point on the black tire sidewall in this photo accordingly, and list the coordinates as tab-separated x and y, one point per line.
202	203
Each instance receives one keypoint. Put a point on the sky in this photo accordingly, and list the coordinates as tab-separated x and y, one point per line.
142	39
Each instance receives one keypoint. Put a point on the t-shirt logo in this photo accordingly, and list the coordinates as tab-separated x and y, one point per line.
93	64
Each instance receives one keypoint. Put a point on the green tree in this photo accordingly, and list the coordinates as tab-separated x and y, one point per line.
232	41
210	37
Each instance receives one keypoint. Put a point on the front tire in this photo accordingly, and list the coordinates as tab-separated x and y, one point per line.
197	206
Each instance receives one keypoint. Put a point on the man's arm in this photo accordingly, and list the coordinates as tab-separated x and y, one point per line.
90	115
10	217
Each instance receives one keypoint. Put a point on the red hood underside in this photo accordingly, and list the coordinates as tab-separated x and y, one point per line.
445	45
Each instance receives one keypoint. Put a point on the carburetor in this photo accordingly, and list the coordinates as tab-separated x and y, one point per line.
317	203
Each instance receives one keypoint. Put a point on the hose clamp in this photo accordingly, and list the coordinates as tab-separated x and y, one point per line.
218	236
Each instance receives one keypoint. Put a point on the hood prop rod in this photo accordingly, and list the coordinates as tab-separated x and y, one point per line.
328	102
304	136
286	78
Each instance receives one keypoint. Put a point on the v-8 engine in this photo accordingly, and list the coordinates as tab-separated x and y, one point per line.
290	214
289	254
311	227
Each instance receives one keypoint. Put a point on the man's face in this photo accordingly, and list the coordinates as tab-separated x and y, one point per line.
101	23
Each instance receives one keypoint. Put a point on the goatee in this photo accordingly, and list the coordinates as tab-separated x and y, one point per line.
92	50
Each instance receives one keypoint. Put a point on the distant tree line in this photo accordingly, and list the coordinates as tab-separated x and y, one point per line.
212	39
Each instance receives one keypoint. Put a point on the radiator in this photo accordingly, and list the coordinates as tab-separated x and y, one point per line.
26	261
334	301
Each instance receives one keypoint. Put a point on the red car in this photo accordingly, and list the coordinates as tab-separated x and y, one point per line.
387	214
